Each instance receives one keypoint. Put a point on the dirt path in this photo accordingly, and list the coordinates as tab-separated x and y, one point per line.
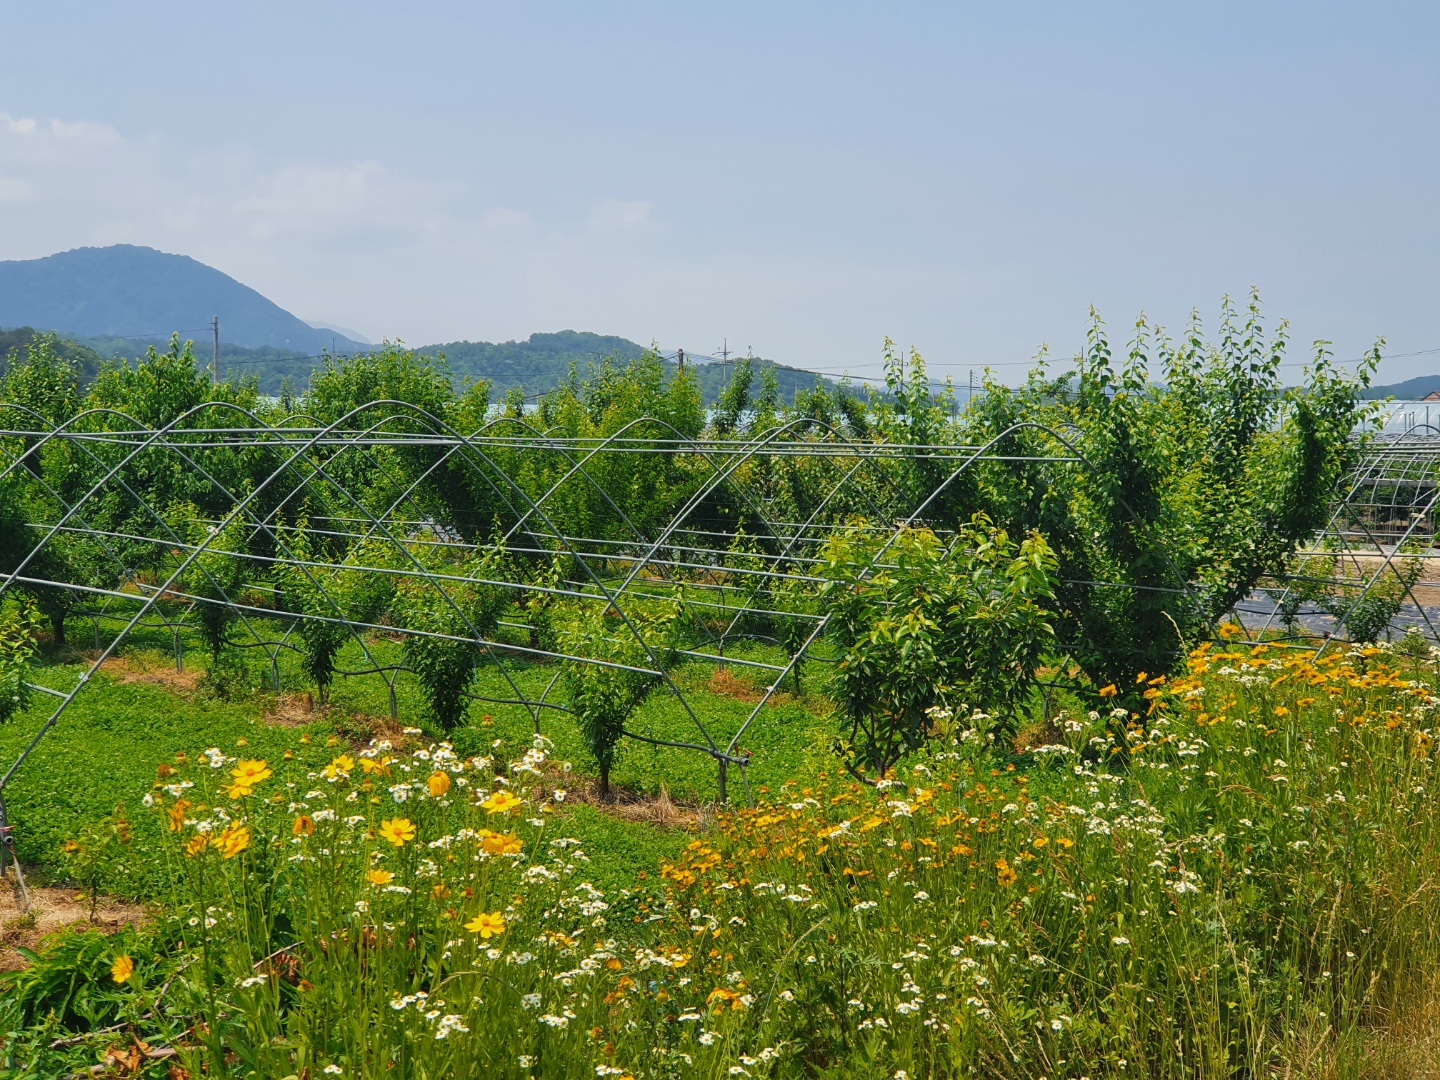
54	909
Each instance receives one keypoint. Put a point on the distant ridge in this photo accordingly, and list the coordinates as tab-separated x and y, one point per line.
133	292
1409	390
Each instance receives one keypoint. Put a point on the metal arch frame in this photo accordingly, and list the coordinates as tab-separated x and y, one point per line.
300	455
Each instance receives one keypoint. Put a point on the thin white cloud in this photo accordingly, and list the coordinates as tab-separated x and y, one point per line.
616	215
500	219
14	191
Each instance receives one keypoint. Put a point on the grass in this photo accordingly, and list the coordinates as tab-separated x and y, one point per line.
1241	886
105	748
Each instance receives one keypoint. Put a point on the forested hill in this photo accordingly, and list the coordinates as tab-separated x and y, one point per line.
536	365
137	292
543	361
17	342
1409	390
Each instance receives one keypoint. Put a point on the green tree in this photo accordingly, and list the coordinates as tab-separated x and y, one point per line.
602	696
1186	492
19	625
457	617
923	627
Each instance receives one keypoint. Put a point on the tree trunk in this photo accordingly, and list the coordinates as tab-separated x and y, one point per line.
57	629
605	782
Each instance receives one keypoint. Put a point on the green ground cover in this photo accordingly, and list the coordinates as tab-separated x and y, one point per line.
105	748
1243	887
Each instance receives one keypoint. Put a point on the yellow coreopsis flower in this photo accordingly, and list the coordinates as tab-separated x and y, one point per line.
196	844
379	877
250	771
501	843
122	969
399	831
487	925
232	840
500	802
438	784
342	765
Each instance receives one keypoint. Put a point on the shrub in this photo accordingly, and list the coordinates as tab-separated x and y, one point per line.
924	626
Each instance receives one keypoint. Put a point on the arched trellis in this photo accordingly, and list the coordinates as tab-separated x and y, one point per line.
305	462
1384	514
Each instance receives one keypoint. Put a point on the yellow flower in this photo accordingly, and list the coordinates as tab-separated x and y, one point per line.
398	830
500	802
195	845
304	826
1005	873
343	765
370	765
238	790
234	839
1108	691
379	877
177	814
122	969
438	784
250	771
487	925
500	844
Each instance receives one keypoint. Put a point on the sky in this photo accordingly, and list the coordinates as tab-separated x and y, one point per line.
798	179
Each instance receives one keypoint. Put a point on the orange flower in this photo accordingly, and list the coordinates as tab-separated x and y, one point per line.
304	826
196	845
398	831
1108	691
438	784
177	814
1005	873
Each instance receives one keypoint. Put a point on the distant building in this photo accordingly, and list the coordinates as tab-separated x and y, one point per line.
1434	395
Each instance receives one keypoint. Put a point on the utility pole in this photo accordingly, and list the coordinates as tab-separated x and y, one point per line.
215	367
680	355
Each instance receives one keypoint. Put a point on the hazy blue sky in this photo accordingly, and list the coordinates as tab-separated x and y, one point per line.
799	178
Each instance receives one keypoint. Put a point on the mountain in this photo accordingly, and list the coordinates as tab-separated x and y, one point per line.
343	331
1409	390
133	292
543	361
